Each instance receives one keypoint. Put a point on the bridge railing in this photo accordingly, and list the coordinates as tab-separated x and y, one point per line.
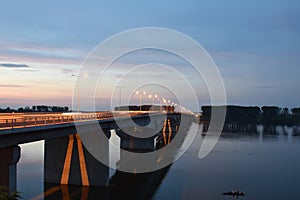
11	121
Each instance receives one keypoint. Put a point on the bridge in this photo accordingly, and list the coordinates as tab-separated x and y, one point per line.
22	128
66	159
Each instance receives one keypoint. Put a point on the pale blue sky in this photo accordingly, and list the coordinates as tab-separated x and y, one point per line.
255	44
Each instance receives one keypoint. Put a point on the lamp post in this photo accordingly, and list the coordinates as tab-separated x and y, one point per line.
120	92
165	101
140	93
151	97
77	92
155	97
158	99
168	106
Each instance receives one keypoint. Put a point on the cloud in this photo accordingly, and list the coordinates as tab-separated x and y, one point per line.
67	71
19	52
28	70
12	65
11	86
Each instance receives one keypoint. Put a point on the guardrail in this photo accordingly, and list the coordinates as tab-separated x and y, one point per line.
12	121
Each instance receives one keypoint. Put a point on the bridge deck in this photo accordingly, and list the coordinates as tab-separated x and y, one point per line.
23	120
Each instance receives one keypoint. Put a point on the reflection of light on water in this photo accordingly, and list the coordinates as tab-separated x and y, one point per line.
193	130
30	169
114	150
189	138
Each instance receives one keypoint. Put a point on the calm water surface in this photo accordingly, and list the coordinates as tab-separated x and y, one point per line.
264	167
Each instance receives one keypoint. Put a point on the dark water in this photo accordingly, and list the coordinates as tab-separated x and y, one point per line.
264	167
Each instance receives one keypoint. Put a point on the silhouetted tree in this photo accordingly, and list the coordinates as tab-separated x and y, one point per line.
41	108
27	109
270	118
296	116
245	119
238	118
285	117
270	114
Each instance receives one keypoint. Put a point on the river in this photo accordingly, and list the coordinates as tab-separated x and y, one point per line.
263	166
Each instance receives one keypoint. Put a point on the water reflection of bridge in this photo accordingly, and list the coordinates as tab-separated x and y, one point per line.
67	162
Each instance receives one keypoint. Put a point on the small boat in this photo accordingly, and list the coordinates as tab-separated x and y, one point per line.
235	193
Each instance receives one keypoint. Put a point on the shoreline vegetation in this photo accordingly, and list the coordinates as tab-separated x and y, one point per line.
36	108
246	119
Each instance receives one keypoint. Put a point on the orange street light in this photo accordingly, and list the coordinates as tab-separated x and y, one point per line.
151	97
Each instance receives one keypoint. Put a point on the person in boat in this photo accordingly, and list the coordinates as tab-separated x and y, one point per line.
234	193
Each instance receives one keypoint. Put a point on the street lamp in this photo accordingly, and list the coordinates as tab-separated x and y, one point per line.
151	97
165	104
140	93
77	92
120	92
169	106
159	100
155	97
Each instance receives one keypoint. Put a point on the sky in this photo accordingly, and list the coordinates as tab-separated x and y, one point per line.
255	45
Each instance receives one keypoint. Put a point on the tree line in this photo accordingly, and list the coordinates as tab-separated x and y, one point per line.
245	119
266	115
36	108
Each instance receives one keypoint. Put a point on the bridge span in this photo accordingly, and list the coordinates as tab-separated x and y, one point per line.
26	127
66	160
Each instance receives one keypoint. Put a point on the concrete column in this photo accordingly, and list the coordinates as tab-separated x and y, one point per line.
172	129
9	158
67	161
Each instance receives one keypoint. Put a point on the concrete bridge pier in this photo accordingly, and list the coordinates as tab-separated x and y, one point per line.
67	161
9	158
169	131
135	144
173	127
